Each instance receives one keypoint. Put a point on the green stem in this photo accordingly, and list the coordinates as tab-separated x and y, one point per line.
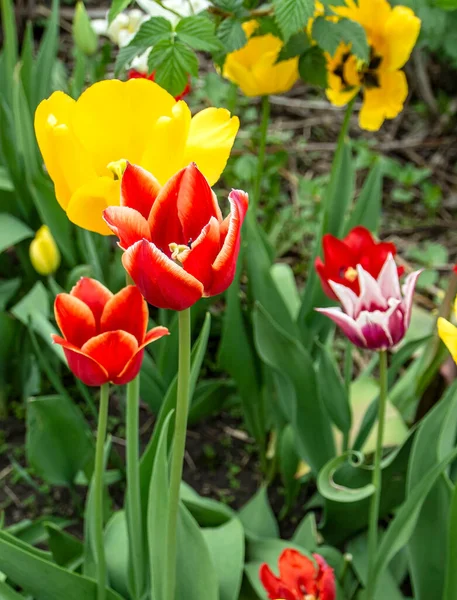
376	498
262	145
179	445
98	491
348	367
133	485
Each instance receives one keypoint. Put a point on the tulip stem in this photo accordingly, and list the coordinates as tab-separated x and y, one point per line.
133	485
348	367
179	445
98	491
377	481
262	146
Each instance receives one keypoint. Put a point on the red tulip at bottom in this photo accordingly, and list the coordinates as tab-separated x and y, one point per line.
104	334
300	578
178	248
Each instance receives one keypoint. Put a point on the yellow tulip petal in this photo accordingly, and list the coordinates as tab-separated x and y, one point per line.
274	78
237	73
401	32
249	27
371	14
89	201
164	155
211	136
448	334
455	307
384	102
114	119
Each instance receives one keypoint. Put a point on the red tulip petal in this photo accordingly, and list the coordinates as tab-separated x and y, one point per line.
378	257
198	261
131	370
113	350
297	571
360	241
164	223
153	335
337	255
196	203
324	276
225	264
74	318
162	282
273	585
139	189
127	223
82	366
126	311
92	293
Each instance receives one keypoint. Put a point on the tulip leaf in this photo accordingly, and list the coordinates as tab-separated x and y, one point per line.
59	441
231	34
332	490
12	231
206	511
46	57
7	593
288	465
117	6
292	15
67	550
257	517
117	553
43	579
198	33
450	584
332	391
292	362
172	62
367	207
226	546
306	533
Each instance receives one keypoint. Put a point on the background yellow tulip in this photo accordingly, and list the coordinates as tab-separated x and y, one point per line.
44	253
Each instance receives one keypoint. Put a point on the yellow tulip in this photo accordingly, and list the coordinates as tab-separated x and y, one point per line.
44	253
254	69
391	34
83	142
448	333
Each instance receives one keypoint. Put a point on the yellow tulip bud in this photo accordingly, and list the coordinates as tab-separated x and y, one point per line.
84	36
44	253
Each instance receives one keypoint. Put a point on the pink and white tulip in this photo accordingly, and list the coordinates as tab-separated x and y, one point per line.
379	317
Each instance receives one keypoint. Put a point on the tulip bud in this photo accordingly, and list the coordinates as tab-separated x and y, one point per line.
84	36
44	253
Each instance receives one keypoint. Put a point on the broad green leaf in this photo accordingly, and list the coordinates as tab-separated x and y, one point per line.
332	391
367	207
284	279
23	126
12	231
353	34
231	34
36	532
7	593
450	583
172	62
403	524
257	517
27	64
288	465
295	46
66	549
158	512
288	358
329	34
10	37
209	398
306	533
46	57
116	551
6	185
198	33
331	490
42	579
312	67
292	15
8	288
195	574
59	441
433	520
226	547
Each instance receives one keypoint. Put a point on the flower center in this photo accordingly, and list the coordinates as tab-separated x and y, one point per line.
350	274
370	75
117	168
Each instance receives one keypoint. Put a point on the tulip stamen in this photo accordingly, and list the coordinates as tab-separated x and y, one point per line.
350	274
177	251
117	168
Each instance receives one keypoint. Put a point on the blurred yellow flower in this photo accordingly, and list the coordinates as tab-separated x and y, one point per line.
83	141
44	253
254	69
448	333
391	34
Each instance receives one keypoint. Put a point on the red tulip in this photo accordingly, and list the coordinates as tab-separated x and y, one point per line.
300	578
342	257
104	335
134	74
177	246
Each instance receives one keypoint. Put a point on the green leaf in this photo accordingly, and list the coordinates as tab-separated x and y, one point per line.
117	6
198	33
403	524
292	15
10	37
59	441
158	512
355	35
7	593
226	547
46	57
326	34
12	231
288	465
306	533
330	34
257	517
117	553
66	549
7	290
331	490
231	34
284	279
332	391
296	45
172	62
206	511
312	67
42	579
450	584
195	574
289	359
367	207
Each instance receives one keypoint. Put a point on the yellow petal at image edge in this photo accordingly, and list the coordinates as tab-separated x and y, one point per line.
401	32
385	102
89	201
448	334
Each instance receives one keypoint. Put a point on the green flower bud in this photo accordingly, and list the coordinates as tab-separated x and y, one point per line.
84	36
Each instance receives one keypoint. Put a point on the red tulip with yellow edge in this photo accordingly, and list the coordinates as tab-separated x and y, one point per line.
104	334
178	248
